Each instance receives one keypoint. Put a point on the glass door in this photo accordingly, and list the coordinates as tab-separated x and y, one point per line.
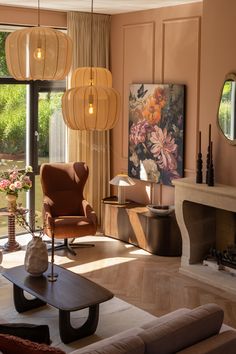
13	122
50	133
32	132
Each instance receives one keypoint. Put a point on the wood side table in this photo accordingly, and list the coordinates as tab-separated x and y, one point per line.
133	223
11	245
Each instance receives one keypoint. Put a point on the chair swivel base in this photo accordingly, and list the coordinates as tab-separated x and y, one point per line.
69	246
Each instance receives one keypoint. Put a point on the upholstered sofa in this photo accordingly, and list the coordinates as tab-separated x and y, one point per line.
184	331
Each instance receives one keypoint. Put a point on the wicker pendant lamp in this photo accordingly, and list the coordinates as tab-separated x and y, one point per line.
90	108
91	103
83	76
38	53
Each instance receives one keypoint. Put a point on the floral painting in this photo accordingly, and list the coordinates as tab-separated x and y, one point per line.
156	127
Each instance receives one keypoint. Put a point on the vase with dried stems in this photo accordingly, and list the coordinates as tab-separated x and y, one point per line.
36	255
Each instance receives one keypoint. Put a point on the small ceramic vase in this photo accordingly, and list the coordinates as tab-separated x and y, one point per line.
36	257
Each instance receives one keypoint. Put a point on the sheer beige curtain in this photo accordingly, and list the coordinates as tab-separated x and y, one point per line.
91	147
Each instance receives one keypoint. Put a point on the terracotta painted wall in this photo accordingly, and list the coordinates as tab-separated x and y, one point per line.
218	59
157	46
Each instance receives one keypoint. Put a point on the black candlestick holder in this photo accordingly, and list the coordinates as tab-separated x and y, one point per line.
207	164
208	154
210	180
211	176
199	159
199	168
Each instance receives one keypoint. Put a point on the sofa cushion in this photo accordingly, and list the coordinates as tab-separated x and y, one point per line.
222	343
183	331
107	341
128	345
165	318
14	345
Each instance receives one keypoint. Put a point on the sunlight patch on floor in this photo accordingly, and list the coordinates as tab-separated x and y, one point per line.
129	246
140	252
102	263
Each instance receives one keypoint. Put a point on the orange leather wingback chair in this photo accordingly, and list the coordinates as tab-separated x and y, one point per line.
65	211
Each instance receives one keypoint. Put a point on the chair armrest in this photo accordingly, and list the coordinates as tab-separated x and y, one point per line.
48	221
89	212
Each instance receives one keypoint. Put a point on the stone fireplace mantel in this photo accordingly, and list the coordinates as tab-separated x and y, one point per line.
196	208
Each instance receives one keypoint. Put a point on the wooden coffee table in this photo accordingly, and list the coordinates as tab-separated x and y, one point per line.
71	292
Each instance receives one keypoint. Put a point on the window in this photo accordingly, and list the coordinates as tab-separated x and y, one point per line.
32	130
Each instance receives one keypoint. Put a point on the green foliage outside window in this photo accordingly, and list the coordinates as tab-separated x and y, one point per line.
13	119
13	112
3	64
225	108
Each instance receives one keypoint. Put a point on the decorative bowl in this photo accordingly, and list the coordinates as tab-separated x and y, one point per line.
161	210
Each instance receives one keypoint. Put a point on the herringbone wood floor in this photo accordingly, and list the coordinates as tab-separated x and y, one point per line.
147	281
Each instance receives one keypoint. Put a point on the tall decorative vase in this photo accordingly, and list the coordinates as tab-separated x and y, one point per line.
11	202
36	257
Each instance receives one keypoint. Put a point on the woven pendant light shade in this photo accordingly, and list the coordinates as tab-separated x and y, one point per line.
91	103
75	108
38	53
100	77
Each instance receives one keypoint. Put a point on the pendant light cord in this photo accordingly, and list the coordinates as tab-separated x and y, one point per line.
91	43
38	13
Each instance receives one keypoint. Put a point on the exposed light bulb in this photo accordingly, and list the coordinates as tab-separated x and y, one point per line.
91	107
39	53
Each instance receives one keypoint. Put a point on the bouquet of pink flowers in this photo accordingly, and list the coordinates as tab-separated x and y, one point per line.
14	180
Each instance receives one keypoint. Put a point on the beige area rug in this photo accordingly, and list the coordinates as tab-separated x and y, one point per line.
115	314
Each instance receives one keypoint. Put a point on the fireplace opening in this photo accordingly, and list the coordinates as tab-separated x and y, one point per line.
222	261
212	233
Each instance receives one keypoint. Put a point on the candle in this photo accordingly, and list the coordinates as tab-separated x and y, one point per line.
199	142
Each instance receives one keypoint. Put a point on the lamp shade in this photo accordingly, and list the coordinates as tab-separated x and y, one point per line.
122	180
38	53
100	77
76	103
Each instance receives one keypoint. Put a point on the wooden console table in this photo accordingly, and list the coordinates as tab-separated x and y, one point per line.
133	223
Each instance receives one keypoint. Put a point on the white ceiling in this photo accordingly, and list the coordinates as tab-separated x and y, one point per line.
100	6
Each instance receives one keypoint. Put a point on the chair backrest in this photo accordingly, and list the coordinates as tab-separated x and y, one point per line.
63	185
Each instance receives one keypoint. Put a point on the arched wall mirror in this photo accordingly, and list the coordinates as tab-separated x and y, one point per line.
227	109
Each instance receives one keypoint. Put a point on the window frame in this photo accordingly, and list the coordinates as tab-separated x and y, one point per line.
31	149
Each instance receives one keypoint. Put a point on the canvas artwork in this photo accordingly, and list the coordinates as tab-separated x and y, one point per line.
156	132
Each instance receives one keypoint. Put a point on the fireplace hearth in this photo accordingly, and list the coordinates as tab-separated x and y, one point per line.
207	220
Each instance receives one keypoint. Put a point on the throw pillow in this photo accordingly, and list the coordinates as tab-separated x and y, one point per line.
35	333
14	345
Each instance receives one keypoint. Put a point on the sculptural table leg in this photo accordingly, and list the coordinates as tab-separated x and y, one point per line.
22	303
11	245
69	333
